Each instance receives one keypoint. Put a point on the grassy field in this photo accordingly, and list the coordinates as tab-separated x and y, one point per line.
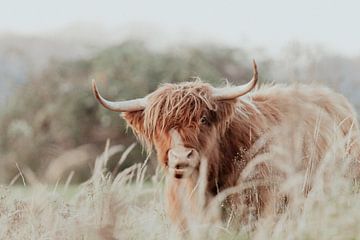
131	207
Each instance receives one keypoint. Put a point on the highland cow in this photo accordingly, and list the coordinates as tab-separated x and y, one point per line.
192	122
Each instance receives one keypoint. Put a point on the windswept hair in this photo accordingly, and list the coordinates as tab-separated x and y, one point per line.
177	105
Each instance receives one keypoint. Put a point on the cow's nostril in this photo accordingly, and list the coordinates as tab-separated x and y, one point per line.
190	153
181	165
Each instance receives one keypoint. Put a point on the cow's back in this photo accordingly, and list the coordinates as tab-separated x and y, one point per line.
321	117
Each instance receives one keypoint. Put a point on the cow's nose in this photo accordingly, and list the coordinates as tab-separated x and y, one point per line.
184	154
183	161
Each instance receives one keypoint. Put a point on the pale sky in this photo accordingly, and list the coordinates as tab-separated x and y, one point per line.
271	24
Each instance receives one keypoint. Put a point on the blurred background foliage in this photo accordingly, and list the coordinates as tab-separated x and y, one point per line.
55	112
52	124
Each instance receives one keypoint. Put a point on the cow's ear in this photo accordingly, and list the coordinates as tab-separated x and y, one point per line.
225	110
135	120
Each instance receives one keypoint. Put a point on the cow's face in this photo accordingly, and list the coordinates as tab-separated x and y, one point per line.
184	124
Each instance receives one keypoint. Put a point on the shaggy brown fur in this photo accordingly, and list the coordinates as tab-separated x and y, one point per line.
238	130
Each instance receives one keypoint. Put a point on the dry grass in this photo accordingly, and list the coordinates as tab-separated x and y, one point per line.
132	207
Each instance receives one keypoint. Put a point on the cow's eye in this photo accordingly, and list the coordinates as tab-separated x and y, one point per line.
204	120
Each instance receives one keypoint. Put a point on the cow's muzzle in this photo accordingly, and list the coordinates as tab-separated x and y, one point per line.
182	161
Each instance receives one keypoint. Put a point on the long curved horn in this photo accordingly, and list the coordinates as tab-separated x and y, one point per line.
229	93
120	106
